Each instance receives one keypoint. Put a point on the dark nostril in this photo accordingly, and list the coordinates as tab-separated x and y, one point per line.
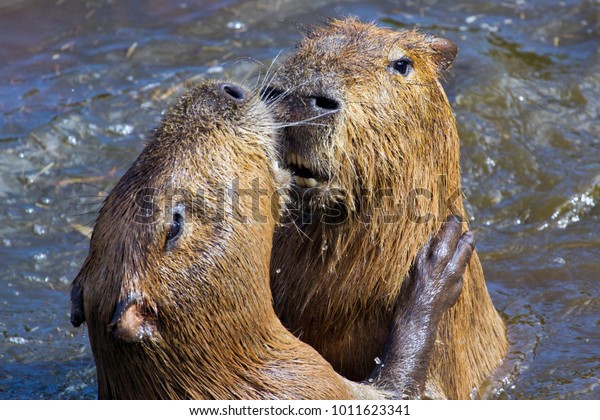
233	91
325	103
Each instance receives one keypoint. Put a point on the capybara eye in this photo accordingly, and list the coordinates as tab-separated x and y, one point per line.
175	227
402	66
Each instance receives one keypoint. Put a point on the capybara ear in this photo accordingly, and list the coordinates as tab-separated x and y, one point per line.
77	312
128	323
444	52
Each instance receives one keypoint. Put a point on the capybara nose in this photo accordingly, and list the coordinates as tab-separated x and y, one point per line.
231	92
321	105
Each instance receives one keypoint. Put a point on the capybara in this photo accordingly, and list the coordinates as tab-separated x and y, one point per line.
373	147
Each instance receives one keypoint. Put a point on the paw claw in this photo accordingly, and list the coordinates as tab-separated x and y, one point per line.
441	264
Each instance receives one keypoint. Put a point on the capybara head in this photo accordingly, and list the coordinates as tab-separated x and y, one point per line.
368	119
178	260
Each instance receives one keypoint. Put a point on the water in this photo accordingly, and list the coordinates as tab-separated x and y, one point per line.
84	82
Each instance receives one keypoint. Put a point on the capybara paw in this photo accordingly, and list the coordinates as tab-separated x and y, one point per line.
440	265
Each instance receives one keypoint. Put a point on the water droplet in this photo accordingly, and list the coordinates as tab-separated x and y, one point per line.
471	19
489	28
72	140
40	256
278	271
39	229
377	361
215	69
122	129
6	242
490	162
237	26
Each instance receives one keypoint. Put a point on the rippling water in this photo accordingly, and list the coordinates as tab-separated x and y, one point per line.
84	82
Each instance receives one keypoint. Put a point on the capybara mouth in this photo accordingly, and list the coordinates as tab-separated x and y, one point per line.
304	171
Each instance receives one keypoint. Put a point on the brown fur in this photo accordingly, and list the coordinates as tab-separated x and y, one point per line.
191	317
392	139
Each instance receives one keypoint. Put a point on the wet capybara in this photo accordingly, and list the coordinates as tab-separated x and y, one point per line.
373	147
175	288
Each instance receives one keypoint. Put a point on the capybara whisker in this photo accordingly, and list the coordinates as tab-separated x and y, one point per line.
268	78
